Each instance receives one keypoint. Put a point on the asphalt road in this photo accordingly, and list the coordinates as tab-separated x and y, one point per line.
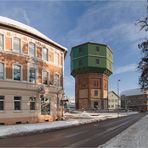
89	135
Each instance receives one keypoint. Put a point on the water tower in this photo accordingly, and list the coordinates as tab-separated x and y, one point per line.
91	66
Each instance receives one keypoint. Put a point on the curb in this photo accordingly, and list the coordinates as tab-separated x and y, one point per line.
25	133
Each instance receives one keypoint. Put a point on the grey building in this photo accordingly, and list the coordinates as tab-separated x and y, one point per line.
135	99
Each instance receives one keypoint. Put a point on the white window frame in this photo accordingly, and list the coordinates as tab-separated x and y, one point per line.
47	76
3	42
14	50
34	50
4	70
18	101
46	55
32	100
21	71
32	66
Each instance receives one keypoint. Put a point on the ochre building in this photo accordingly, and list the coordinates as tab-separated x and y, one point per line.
114	101
91	66
31	74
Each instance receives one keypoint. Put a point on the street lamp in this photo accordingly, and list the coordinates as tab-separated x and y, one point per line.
118	94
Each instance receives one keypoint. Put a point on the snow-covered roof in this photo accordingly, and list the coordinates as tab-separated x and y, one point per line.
134	92
21	26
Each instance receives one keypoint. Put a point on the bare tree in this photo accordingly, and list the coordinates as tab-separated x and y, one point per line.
143	64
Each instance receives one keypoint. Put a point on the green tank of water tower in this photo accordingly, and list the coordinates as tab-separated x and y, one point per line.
91	66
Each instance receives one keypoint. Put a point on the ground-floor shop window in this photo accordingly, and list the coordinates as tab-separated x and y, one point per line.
45	105
1	103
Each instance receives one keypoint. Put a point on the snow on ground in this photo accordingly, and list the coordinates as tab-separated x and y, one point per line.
71	119
136	136
97	116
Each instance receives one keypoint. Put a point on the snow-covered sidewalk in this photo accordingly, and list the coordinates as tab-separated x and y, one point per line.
72	120
136	136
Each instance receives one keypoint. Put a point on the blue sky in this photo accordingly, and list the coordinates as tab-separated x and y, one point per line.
73	22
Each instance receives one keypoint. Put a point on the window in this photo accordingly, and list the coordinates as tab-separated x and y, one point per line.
45	106
95	92
17	45
32	103
45	54
97	61
16	72
32	75
1	70
95	83
80	50
1	42
96	105
80	62
97	48
32	49
56	80
45	77
1	103
17	103
56	59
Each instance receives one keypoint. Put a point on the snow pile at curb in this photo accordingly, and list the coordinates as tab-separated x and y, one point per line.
75	119
27	128
136	136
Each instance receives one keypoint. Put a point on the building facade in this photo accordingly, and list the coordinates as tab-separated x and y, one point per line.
91	65
31	74
114	101
135	99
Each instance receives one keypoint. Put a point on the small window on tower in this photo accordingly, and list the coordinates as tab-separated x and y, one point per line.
97	61
80	62
95	92
97	48
80	50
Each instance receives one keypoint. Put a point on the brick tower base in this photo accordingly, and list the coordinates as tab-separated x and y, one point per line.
91	91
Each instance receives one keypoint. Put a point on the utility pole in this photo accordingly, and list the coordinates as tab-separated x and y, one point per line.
118	94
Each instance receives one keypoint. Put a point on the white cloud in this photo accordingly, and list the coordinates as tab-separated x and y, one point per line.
126	68
18	14
26	18
109	23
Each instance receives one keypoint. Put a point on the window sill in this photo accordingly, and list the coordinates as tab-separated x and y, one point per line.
17	111
32	111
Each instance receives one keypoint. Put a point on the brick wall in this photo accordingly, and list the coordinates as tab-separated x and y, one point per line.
85	87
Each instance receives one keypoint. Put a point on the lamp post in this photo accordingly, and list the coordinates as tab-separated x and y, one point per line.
118	94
